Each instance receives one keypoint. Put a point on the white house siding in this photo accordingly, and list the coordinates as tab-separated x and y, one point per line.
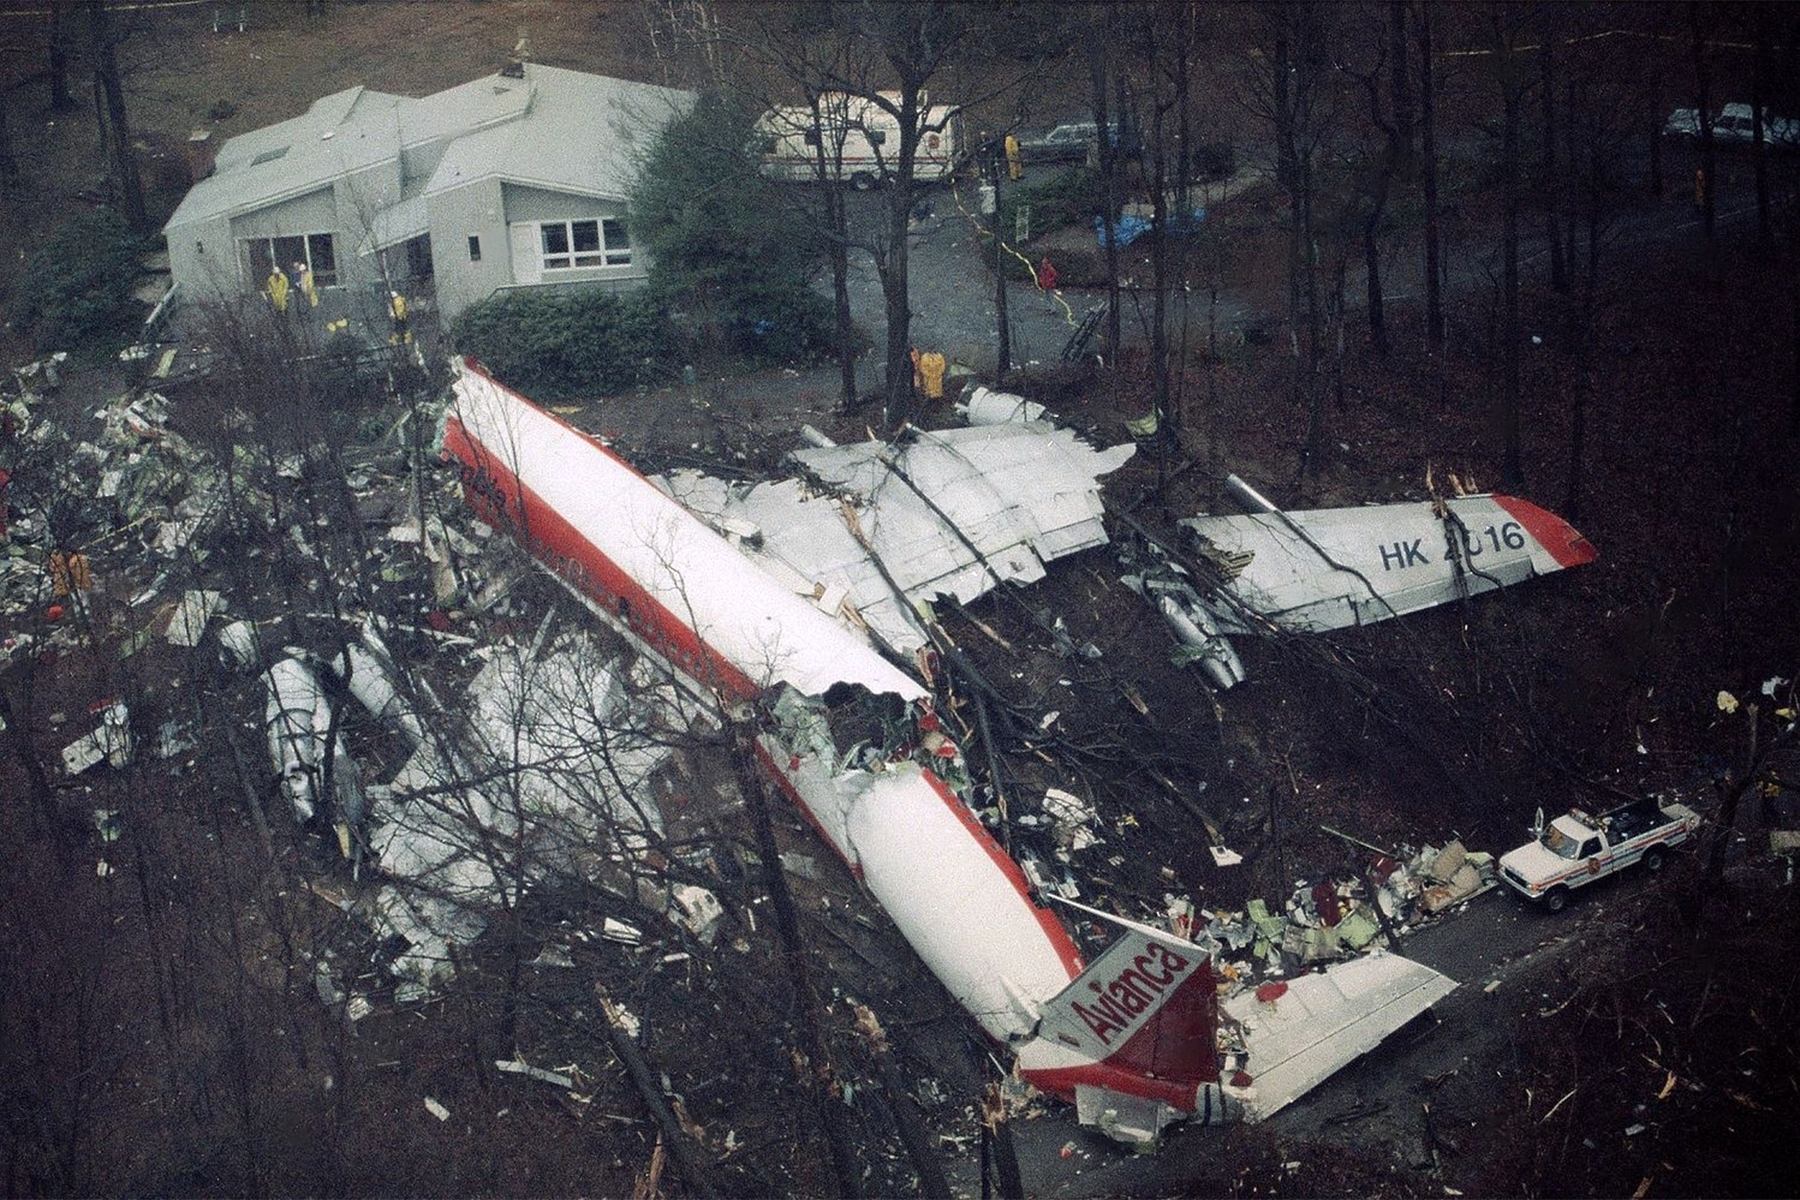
315	212
455	215
506	217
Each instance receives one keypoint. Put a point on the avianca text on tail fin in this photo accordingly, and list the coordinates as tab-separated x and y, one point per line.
1133	1041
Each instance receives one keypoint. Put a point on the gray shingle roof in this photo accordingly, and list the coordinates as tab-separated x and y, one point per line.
556	128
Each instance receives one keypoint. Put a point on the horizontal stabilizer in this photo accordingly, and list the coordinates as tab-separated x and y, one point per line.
1323	1022
1333	568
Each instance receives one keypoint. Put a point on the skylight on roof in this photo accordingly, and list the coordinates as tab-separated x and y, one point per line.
268	156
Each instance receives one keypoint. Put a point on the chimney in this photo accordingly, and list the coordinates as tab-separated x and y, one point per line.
200	154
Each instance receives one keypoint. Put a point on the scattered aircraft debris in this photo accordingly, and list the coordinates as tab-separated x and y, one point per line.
1130	1039
1318	570
947	513
110	741
305	748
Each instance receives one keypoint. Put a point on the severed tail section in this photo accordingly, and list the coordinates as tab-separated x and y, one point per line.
1134	1039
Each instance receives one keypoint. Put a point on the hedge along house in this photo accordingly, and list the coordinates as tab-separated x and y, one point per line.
515	180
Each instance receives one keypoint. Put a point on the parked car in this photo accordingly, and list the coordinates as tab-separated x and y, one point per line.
1068	142
1734	126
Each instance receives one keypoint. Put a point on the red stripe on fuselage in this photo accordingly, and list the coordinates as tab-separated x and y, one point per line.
1066	952
555	541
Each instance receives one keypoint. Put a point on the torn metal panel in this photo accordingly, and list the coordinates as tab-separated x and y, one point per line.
984	406
552	753
1333	568
110	741
1165	584
367	670
1319	1023
298	719
429	925
951	513
188	625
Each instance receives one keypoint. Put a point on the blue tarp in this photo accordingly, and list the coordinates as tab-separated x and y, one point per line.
1130	228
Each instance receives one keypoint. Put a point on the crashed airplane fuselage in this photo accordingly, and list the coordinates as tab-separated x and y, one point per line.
1132	1039
1137	1027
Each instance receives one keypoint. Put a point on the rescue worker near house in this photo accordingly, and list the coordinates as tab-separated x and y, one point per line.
1046	281
304	277
278	289
1015	166
402	336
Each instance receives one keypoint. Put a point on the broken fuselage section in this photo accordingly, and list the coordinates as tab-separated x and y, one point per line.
1132	1037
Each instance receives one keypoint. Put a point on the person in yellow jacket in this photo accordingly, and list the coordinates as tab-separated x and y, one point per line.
278	289
1015	166
397	309
308	288
931	366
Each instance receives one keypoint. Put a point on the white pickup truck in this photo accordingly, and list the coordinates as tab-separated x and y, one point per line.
1578	848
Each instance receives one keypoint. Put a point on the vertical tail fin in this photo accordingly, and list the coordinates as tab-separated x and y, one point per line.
1141	1021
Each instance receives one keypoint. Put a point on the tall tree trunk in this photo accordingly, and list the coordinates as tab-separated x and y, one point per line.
1758	150
1401	82
1585	346
1708	182
1434	302
1109	176
1552	190
1167	422
9	166
1512	470
60	99
892	264
1287	175
820	1071
1656	124
1572	118
1378	339
838	255
106	78
1002	319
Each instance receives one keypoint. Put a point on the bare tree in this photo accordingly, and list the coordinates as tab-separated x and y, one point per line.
116	127
1509	74
1287	91
1700	28
913	42
1101	67
1759	152
56	46
1550	190
9	166
1428	179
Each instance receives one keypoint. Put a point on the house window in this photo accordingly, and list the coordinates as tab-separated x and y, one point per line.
572	245
316	250
474	247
